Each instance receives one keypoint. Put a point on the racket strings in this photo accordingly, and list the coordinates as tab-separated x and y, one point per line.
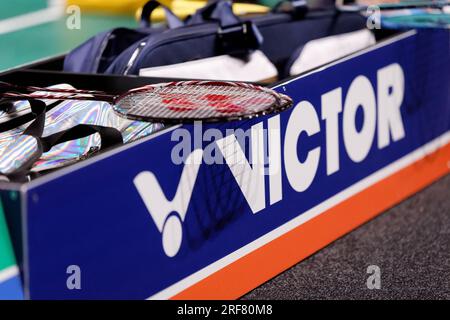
198	102
224	202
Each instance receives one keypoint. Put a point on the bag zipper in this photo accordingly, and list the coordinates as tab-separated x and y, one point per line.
156	43
102	48
134	56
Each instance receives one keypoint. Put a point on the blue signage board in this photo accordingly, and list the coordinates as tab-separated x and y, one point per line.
158	216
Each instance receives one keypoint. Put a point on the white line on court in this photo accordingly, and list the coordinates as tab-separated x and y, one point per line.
8	273
54	11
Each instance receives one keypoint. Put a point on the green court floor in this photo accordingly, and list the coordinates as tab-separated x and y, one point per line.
20	46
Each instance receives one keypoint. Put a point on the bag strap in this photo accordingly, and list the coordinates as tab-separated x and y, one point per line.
172	20
109	137
239	39
22	119
38	109
215	10
296	8
235	37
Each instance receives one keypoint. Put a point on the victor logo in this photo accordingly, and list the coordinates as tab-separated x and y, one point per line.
168	215
274	151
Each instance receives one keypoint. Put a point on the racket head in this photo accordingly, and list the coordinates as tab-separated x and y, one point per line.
207	101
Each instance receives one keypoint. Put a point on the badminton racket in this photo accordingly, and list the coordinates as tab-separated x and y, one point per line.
172	102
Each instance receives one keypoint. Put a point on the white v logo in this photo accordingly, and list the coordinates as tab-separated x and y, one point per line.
160	207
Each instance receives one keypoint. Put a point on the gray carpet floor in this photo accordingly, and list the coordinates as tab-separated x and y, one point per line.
410	244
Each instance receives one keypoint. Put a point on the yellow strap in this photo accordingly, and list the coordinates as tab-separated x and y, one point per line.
183	8
120	7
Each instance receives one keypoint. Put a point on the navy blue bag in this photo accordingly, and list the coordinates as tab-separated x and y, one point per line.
97	53
214	30
284	30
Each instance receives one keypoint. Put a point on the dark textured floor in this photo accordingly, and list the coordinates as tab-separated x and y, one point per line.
410	243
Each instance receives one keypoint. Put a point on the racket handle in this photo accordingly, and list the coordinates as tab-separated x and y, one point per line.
5	87
55	96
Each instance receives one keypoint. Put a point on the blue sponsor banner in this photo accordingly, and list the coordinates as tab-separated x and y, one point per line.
133	223
11	289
